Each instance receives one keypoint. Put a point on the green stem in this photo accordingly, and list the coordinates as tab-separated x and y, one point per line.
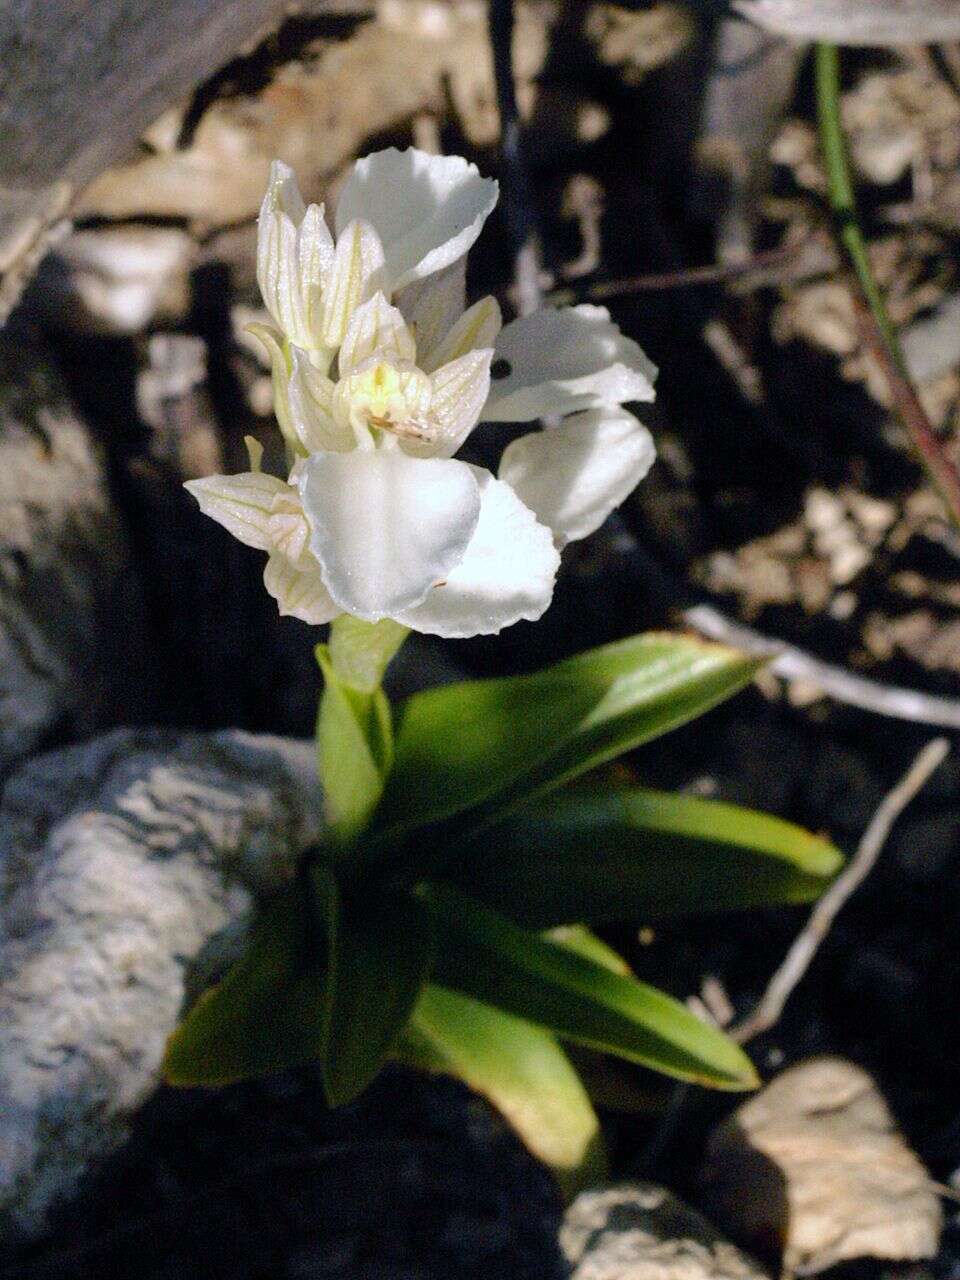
355	723
362	651
942	472
840	188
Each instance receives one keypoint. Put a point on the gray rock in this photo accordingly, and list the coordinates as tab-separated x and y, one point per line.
857	22
65	574
931	346
120	860
639	1231
814	1166
117	280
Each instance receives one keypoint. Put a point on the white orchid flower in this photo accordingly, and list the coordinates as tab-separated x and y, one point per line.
381	373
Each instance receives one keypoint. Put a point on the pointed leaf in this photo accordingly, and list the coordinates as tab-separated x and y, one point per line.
268	1012
578	938
633	855
520	1069
480	748
354	750
485	955
381	955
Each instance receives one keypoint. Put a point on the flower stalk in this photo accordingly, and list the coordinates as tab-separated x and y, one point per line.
879	333
360	652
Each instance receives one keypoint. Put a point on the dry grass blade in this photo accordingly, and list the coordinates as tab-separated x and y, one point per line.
790	663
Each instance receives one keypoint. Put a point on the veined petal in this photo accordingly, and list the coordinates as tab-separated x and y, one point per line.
376	328
507	573
386	527
355	275
278	254
315	254
573	475
559	361
299	592
283	193
310	408
282	197
459	390
288	528
477	327
273	344
243	504
428	210
432	306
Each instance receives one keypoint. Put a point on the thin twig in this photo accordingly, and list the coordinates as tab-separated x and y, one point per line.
881	337
715	273
805	945
791	663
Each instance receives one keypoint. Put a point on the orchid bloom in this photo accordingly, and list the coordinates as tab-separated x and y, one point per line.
380	373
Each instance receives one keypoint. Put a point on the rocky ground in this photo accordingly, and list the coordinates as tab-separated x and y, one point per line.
659	138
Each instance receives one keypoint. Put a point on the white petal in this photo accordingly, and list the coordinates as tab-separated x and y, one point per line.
243	504
427	209
458	392
562	360
310	408
288	529
278	256
376	328
282	197
300	593
273	343
386	527
355	276
573	475
315	255
476	328
507	572
432	306
283	193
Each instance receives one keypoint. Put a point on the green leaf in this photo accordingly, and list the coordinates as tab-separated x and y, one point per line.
354	750
520	1069
487	956
382	949
578	938
485	746
629	855
268	1012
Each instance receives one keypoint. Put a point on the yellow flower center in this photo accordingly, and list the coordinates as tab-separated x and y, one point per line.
388	396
